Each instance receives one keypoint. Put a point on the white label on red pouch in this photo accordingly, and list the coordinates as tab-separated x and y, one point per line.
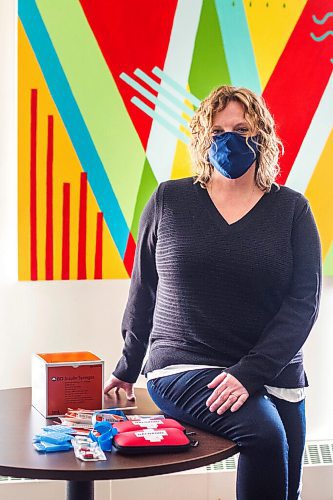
151	435
149	424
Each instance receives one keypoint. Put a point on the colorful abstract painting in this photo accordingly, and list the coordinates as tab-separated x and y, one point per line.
106	90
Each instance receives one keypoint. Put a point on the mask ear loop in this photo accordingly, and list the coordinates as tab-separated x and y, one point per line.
249	145
212	144
255	152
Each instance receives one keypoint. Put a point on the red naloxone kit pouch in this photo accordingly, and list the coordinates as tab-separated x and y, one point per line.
145	423
164	440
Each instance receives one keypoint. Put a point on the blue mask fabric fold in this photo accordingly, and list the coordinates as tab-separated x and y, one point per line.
230	154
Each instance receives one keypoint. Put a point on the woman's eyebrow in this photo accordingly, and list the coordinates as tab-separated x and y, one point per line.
237	125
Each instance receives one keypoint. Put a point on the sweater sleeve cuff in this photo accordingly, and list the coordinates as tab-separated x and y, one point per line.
127	371
247	379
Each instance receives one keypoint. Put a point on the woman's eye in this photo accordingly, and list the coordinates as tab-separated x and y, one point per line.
219	132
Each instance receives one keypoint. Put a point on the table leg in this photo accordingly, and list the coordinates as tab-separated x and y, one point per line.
80	490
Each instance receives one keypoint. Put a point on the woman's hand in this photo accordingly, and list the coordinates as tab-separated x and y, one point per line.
229	392
116	383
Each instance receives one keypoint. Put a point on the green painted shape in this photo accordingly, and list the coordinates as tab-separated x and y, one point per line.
148	184
328	263
97	97
209	67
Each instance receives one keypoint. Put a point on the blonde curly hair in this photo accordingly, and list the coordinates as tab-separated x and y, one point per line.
260	122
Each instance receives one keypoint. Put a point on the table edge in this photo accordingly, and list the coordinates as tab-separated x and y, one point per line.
95	475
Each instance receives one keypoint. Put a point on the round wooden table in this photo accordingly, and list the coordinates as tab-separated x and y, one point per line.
19	421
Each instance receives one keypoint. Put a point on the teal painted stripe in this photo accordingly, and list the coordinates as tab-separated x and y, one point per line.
322	37
176	86
162	91
135	85
237	45
146	109
324	19
73	121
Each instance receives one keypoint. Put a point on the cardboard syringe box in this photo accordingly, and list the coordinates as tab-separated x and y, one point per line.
66	380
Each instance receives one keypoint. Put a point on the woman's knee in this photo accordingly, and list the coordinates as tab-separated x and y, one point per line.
258	424
271	436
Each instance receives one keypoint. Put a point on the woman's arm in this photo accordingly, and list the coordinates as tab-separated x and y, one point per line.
286	333
138	316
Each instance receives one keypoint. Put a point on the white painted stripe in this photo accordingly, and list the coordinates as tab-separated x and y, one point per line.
165	123
171	99
166	78
161	143
313	143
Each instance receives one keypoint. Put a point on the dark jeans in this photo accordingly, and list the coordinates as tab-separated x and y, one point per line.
269	431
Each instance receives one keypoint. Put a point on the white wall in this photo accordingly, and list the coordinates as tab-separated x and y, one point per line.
79	315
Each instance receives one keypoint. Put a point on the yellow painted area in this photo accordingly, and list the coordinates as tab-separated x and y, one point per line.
319	194
66	168
270	28
23	164
181	166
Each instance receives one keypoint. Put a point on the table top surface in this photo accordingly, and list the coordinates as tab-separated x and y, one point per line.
19	421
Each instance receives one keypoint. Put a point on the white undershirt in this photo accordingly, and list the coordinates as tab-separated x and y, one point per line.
293	395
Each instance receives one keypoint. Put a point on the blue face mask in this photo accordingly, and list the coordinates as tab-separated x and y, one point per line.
230	155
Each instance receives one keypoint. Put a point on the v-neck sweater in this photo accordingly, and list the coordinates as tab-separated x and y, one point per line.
243	295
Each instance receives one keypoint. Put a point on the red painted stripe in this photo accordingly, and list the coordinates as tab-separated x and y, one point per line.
129	254
65	231
99	247
299	79
132	35
81	269
49	201
33	185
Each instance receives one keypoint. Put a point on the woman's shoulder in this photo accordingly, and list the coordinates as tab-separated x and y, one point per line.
292	201
288	193
176	188
174	184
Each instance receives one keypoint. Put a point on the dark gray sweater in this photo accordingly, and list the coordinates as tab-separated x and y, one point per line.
242	295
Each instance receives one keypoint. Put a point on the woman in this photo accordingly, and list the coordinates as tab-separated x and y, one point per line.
225	290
